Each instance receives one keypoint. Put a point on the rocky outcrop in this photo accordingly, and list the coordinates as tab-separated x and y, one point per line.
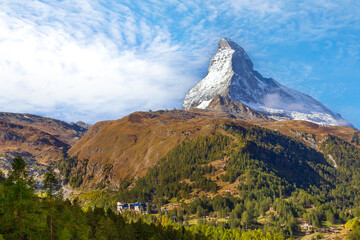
236	109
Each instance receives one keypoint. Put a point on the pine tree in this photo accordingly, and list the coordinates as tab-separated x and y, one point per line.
51	184
52	189
246	218
20	171
2	176
21	218
355	138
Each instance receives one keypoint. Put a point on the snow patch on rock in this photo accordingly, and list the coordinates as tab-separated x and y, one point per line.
204	104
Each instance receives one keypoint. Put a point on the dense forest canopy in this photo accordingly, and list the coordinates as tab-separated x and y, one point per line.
27	214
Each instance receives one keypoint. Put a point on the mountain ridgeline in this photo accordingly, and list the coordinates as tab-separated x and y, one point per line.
39	140
257	159
114	151
231	75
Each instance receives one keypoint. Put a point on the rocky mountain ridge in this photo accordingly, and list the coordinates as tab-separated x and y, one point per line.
236	109
69	133
231	75
40	140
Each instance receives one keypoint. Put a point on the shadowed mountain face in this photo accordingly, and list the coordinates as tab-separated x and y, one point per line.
231	75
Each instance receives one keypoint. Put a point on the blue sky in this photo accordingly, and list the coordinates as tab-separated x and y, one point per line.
99	60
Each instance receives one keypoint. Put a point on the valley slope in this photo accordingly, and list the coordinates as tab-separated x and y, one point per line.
40	140
113	151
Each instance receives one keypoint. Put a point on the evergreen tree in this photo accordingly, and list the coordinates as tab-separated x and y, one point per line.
355	138
2	176
22	214
246	218
52	189
19	171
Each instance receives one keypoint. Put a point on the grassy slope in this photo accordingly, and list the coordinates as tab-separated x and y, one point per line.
136	142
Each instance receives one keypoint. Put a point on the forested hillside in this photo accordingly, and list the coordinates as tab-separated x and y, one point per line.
244	176
112	152
28	214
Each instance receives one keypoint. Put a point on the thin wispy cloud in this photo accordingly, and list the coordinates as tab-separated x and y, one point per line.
54	70
96	60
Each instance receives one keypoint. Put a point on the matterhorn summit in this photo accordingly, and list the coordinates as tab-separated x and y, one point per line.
231	75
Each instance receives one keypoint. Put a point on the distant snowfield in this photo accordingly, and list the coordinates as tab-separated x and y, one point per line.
324	119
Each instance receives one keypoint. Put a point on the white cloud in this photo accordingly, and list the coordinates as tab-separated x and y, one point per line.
259	6
47	71
296	107
272	100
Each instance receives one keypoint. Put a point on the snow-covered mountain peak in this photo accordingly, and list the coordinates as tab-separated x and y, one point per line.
231	74
226	44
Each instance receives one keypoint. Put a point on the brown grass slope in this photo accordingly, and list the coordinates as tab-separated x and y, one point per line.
68	133
36	138
112	151
30	142
136	142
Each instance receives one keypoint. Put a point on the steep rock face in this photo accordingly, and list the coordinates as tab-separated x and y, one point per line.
231	75
236	109
81	125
